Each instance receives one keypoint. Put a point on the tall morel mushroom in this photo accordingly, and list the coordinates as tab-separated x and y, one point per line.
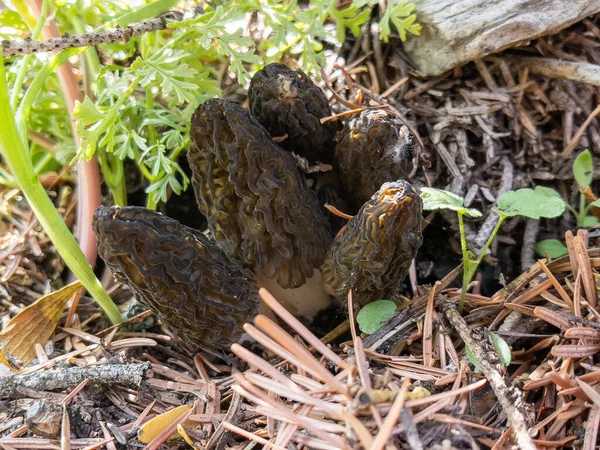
373	253
286	102
199	294
374	148
256	203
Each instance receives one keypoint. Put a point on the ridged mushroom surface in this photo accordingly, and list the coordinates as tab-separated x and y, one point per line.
190	284
373	253
286	101
257	205
374	148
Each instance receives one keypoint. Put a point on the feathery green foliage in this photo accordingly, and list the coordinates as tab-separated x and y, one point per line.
141	93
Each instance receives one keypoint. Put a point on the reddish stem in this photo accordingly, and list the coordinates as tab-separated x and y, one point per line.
88	174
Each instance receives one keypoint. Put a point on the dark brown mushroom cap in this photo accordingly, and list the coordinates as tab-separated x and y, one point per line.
286	101
189	283
372	255
374	148
257	205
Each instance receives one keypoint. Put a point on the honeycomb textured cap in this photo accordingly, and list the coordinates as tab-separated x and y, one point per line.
286	101
257	205
373	253
190	284
374	148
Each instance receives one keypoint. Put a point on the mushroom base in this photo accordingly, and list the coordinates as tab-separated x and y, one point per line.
305	301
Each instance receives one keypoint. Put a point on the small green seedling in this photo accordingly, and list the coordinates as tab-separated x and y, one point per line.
535	204
502	350
583	172
552	248
372	317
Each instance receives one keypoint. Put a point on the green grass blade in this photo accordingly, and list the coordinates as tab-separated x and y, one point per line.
16	155
146	12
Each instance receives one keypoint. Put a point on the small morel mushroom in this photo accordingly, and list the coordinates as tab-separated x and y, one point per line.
256	203
374	148
199	294
372	255
286	102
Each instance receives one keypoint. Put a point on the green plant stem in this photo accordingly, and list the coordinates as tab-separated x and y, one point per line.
112	169
470	265
37	84
491	238
140	162
35	34
466	262
150	202
16	155
6	179
44	160
582	211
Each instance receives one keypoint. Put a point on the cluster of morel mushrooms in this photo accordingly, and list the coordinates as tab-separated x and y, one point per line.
268	225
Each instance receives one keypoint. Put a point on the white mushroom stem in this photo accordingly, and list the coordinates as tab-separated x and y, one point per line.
305	301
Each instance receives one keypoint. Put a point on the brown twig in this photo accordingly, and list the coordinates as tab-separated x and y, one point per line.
511	398
573	142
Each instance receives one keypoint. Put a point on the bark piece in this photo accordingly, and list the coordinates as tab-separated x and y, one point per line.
456	32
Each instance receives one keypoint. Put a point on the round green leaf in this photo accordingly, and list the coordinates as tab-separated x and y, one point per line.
530	203
502	349
553	247
590	221
372	317
546	191
583	169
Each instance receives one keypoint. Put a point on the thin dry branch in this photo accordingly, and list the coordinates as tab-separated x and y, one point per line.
117	34
511	398
59	379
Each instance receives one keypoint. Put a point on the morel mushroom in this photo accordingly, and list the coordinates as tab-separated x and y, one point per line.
372	255
286	102
374	148
199	294
258	208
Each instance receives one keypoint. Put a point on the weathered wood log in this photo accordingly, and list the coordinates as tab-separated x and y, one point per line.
458	31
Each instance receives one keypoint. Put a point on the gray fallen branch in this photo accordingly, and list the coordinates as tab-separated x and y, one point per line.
580	72
128	374
118	34
518	411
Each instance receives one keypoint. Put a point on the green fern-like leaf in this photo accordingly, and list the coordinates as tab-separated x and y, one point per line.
399	13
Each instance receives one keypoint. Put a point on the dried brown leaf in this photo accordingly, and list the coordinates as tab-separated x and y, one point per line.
34	325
